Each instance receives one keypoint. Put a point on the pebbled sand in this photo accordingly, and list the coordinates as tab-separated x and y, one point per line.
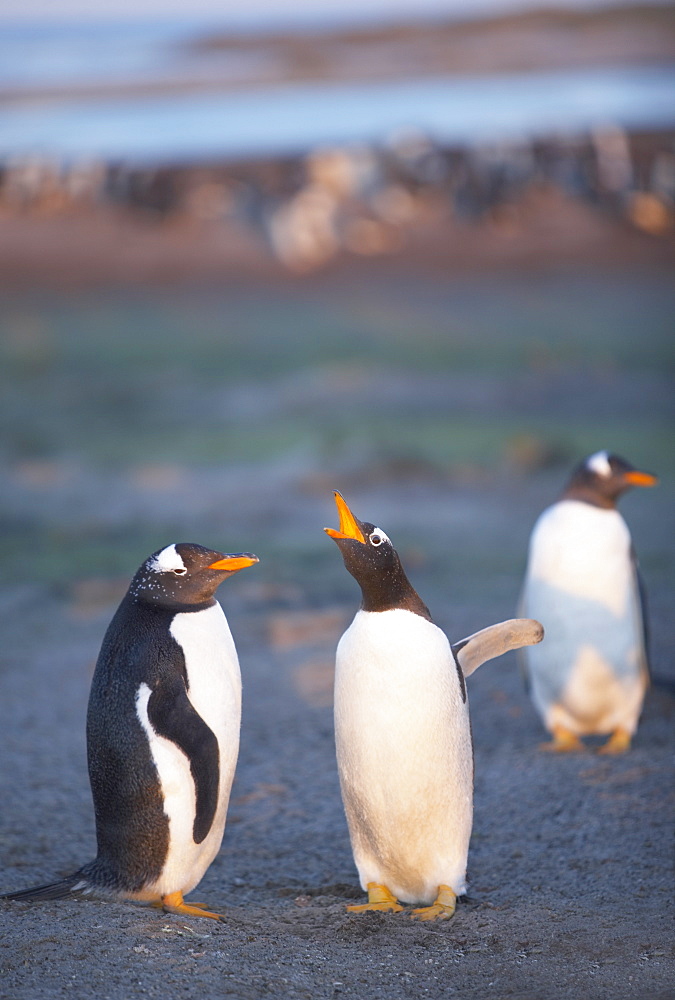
571	885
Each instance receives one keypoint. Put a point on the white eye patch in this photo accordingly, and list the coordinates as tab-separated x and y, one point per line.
377	537
167	561
599	463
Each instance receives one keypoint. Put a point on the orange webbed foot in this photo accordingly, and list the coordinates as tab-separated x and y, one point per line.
173	902
379	898
442	908
618	742
564	741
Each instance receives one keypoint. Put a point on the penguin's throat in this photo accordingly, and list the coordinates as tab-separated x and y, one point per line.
586	494
386	594
173	604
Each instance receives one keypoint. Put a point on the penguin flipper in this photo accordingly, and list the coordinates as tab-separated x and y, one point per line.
643	613
495	640
73	885
521	656
173	716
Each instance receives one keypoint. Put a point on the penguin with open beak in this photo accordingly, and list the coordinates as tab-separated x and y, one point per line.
162	735
402	730
582	581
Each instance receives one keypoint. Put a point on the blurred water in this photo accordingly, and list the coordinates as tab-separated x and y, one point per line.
293	118
40	54
109	44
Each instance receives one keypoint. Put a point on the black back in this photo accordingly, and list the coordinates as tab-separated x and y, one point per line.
132	830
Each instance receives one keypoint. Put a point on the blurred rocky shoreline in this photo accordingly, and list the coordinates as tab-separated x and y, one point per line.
609	194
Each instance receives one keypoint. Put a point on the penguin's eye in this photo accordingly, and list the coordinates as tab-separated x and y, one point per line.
179	571
377	538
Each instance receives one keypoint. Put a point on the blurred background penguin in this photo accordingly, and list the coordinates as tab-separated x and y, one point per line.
583	583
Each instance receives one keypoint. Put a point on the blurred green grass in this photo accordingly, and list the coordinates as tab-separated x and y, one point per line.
494	325
121	379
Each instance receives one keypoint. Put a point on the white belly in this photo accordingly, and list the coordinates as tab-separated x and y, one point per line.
404	754
589	674
215	692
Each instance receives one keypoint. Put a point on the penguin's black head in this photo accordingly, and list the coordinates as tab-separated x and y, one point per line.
374	563
366	549
185	575
601	479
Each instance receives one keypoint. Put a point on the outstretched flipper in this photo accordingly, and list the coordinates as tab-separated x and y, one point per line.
495	640
73	885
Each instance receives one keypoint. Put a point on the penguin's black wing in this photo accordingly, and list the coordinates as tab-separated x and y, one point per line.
643	611
460	673
173	716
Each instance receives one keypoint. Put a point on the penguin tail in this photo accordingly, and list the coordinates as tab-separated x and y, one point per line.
73	885
495	640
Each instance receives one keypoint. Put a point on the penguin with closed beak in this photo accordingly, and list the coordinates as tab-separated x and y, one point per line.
162	735
582	582
403	737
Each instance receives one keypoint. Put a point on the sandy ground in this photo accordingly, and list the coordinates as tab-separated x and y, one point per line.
108	248
570	862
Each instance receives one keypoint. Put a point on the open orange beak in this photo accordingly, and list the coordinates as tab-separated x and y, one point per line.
230	564
636	478
348	525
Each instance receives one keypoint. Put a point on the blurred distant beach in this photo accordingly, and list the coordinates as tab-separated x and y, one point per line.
206	147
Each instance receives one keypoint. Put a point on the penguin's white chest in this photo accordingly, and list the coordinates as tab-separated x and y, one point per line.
214	689
404	754
589	674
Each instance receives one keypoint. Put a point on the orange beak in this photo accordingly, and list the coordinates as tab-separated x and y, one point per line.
348	525
636	478
230	564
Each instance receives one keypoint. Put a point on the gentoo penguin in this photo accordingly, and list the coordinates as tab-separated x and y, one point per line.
582	582
403	738
162	734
